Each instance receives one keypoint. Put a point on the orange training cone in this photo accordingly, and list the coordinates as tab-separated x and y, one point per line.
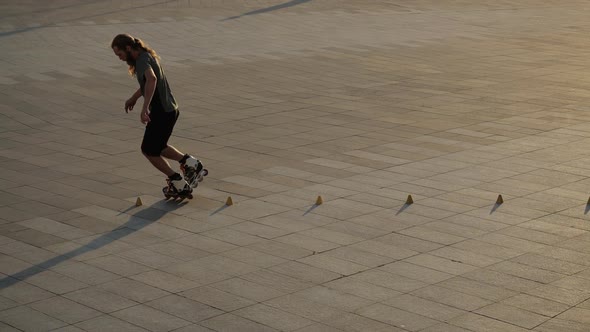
319	200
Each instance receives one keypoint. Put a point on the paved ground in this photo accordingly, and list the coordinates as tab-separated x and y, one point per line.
361	102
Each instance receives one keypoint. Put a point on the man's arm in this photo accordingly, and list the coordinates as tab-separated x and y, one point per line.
131	101
149	89
136	95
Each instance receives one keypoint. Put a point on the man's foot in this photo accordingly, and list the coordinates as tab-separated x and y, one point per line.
193	170
177	187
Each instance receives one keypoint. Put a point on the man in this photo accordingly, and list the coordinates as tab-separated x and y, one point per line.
159	112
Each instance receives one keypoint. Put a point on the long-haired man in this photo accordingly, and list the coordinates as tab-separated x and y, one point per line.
159	113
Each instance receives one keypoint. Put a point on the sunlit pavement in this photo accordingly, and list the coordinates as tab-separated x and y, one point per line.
359	102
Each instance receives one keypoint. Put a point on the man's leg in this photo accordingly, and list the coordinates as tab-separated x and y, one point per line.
155	139
176	184
153	145
161	164
172	153
190	166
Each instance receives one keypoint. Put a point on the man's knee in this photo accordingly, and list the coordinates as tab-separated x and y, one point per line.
150	151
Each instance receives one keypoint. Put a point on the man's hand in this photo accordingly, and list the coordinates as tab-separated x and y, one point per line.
129	104
145	116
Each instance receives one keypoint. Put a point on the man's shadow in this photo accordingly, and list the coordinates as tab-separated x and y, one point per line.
137	221
75	19
269	9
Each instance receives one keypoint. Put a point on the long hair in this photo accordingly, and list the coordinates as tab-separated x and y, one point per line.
124	40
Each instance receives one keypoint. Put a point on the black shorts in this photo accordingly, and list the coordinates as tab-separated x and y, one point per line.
157	132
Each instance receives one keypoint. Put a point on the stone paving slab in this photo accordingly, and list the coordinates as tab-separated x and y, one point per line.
360	102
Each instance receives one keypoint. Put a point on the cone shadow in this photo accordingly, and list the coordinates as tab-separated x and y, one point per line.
405	206
495	207
310	209
223	207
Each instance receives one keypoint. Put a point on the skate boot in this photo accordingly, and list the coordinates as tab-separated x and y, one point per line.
177	188
193	170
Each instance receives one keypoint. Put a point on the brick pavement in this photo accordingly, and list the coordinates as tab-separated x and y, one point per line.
361	102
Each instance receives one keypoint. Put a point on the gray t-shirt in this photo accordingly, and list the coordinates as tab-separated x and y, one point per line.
163	100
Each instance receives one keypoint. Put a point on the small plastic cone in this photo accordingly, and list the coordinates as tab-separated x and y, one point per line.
409	200
229	201
500	200
138	202
319	200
